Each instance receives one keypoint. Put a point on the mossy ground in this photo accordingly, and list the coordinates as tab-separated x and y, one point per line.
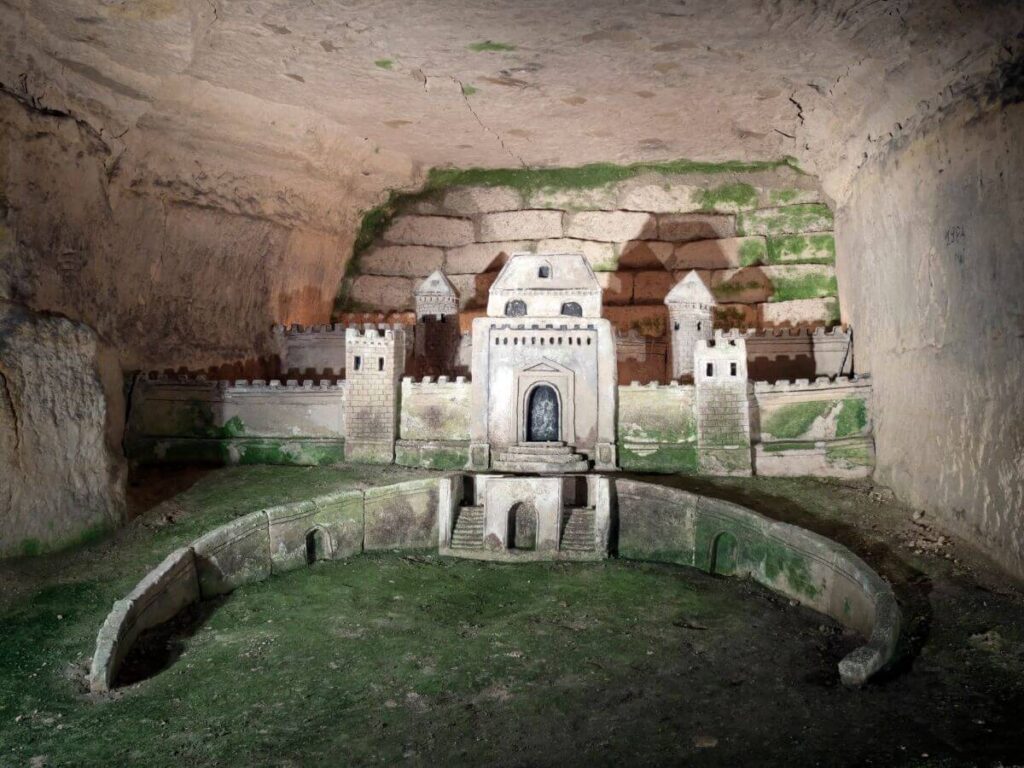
418	660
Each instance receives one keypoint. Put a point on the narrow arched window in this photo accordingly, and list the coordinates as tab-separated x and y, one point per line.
515	308
698	325
572	309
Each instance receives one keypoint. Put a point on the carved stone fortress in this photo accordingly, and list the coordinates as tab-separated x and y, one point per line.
542	397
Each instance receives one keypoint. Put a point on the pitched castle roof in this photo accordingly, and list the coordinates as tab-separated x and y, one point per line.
565	271
436	284
690	290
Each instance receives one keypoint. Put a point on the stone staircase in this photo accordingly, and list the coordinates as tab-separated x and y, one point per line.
539	458
469	528
578	529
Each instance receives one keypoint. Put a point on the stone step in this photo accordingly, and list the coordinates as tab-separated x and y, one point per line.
547	458
537	448
540	467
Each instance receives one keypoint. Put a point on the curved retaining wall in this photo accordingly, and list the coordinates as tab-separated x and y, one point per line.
650	522
271	540
669	525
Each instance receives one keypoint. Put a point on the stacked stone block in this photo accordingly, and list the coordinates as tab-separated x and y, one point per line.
374	364
762	241
723	407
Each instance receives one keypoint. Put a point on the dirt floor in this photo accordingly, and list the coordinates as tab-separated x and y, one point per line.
414	659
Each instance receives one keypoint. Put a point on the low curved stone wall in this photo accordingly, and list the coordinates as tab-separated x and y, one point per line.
649	522
272	540
669	525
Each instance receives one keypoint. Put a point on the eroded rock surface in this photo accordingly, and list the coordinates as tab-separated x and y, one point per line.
61	416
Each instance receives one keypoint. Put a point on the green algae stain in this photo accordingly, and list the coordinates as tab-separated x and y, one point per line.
728	198
852	418
31	547
858	455
469	90
814	285
663	459
489	46
789	219
834	315
802	249
792	421
753	251
384	63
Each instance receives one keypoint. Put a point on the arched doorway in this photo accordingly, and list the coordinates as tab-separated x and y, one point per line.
318	546
723	555
522	526
542	416
572	309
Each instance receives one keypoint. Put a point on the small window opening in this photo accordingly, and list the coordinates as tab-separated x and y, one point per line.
357	363
698	325
710	370
380	363
732	369
677	326
544	272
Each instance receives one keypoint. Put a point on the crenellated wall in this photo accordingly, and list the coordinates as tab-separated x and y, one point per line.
241	422
434	423
821	427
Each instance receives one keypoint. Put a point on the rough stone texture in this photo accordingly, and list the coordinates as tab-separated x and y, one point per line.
401	260
401	516
682	228
234	554
930	246
518	225
481	257
381	292
801	312
430	230
718	254
611	226
61	416
603	257
617	287
466	201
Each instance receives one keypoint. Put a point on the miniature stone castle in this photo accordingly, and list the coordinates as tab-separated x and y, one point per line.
542	396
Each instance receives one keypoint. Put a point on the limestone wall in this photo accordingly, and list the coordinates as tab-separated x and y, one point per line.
434	423
813	428
932	278
244	422
761	240
657	428
61	419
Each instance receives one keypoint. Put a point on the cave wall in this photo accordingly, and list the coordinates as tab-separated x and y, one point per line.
168	274
931	277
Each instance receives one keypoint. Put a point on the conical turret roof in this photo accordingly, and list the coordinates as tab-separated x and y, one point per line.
690	290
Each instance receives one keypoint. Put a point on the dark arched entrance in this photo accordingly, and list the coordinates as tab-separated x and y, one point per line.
542	418
723	555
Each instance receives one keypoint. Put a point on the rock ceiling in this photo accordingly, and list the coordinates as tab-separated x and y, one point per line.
363	95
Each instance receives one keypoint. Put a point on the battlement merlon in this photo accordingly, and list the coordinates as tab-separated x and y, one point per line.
836	332
820	384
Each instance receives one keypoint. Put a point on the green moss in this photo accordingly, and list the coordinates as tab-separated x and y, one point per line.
793	420
235	450
733	288
490	46
789	219
529	180
663	459
31	547
852	418
783	196
859	455
384	63
753	251
802	249
733	197
809	286
469	90
729	317
834	315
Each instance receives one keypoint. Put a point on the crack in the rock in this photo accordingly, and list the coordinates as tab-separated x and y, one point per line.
495	134
799	108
